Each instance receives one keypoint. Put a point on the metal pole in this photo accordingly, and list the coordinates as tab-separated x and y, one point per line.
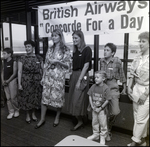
28	21
96	52
126	48
10	33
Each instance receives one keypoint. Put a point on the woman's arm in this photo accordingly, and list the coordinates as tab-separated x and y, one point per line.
14	75
2	75
19	75
83	72
63	64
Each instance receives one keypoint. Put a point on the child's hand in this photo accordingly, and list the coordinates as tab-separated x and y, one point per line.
98	109
123	92
129	90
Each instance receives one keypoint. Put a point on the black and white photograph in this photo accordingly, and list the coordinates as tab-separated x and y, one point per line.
74	73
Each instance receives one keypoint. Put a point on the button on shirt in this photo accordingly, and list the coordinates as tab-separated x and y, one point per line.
113	69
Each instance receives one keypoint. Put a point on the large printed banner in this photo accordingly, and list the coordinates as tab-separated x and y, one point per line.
94	17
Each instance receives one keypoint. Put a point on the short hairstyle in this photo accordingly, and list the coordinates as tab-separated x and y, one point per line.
29	42
8	50
101	72
112	46
81	35
144	35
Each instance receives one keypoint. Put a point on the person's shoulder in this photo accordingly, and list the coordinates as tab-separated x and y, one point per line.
102	59
92	86
88	47
117	59
105	86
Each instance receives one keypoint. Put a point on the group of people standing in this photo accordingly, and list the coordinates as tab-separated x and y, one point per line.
42	84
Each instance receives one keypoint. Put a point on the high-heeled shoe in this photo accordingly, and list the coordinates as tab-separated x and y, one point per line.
35	119
28	121
55	125
74	129
38	126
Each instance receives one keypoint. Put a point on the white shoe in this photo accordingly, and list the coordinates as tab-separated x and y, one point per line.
93	137
109	136
10	116
102	140
16	114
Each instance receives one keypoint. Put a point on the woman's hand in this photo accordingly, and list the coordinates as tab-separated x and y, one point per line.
20	87
5	83
142	99
78	85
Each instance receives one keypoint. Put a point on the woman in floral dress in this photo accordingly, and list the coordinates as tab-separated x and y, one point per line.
57	62
29	77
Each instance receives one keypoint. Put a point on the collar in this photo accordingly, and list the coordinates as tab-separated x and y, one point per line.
141	56
104	60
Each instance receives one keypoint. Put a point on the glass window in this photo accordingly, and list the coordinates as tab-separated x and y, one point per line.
117	39
6	36
18	38
133	45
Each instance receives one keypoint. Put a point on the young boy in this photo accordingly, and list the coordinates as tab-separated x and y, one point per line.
99	98
9	81
113	67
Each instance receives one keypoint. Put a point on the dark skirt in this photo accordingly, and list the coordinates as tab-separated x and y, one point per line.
78	99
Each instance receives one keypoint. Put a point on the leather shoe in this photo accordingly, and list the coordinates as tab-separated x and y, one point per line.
74	129
28	121
55	125
38	126
35	119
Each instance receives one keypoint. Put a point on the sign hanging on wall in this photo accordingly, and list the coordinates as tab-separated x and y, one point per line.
94	17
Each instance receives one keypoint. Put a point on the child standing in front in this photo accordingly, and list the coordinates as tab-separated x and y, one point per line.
9	81
99	98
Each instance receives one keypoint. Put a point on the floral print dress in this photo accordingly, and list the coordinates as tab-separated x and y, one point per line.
53	80
30	96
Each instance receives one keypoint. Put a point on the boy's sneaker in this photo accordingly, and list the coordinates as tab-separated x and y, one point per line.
93	137
102	140
109	136
16	114
10	115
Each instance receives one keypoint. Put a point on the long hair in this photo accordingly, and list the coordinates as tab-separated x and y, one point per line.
82	42
63	46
